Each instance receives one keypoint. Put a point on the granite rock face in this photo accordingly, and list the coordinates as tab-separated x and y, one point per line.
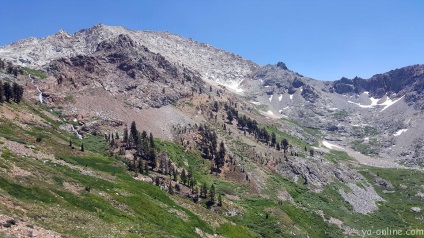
123	67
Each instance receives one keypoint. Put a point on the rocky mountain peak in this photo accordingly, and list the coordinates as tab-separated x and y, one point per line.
122	41
212	64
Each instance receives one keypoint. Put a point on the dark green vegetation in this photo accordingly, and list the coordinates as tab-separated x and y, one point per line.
366	148
38	73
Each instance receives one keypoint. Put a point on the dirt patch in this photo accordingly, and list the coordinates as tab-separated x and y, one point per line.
24	150
347	229
16	171
143	178
99	103
73	187
17	228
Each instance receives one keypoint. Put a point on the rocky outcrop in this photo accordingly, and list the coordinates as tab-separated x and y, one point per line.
408	81
122	66
309	94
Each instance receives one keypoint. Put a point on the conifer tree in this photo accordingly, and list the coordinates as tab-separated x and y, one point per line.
146	169
212	194
17	92
125	137
204	190
285	146
82	147
152	157
7	91
183	176
220	158
175	174
134	133
1	92
151	141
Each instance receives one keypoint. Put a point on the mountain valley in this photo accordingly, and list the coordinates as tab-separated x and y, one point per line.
265	151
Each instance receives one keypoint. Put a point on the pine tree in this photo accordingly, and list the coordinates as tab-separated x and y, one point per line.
220	158
230	117
7	91
82	147
117	136
311	152
183	176
151	141
141	167
215	106
175	174
152	157
134	133
70	142
146	169
285	146
190	175
204	191
1	92
212	194
125	137
17	92
170	188
219	200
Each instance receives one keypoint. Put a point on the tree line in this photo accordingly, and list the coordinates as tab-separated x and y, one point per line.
250	126
147	157
10	68
9	92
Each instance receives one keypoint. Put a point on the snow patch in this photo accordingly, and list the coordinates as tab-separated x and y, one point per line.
374	102
235	86
389	102
291	96
330	146
280	97
399	132
256	103
270	98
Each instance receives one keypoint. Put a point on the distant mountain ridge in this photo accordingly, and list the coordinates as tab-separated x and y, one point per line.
214	65
408	81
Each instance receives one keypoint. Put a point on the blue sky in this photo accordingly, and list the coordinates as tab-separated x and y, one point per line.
324	39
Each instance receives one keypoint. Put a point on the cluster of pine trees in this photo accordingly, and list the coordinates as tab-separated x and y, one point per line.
209	147
10	68
144	146
250	126
9	92
146	154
